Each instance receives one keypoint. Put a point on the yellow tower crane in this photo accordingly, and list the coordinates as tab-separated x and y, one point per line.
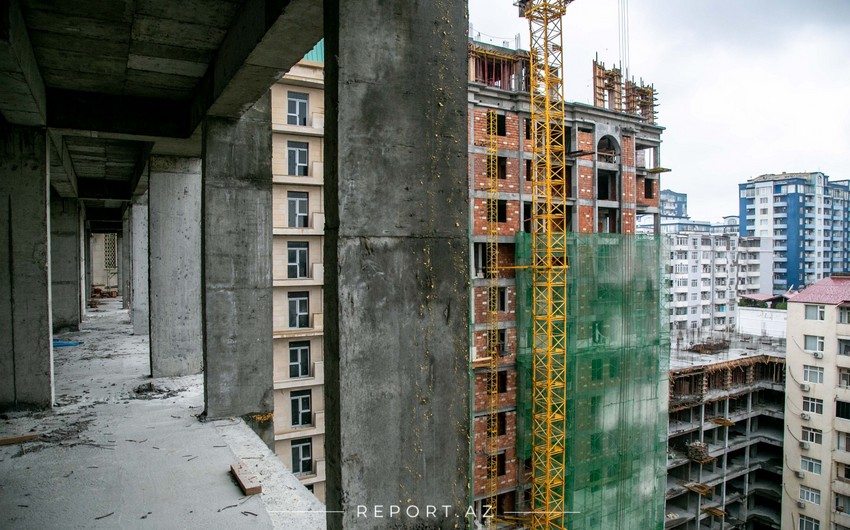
549	263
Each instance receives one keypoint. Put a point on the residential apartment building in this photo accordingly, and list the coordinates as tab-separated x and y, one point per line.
809	219
724	460
674	204
613	175
708	272
297	273
816	493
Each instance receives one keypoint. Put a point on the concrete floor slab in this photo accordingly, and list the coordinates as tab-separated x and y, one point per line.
122	450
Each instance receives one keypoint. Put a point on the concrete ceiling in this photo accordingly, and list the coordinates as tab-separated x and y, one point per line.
117	80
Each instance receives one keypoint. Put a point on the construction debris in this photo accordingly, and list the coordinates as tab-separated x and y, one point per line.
698	452
249	482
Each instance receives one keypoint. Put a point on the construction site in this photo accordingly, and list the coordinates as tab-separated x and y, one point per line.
569	335
726	425
254	254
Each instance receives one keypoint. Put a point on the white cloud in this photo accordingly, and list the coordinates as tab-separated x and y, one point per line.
745	88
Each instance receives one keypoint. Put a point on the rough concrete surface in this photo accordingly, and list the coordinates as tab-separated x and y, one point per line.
122	450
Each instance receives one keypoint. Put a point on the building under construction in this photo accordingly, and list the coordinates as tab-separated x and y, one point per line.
724	460
617	334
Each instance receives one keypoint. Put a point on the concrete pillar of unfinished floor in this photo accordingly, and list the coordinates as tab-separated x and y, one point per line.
237	267
65	263
139	312
396	312
124	267
26	354
174	238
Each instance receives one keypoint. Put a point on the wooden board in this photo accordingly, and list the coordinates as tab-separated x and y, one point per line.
247	481
18	439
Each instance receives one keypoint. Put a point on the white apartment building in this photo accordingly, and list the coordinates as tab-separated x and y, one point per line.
298	276
708	272
816	489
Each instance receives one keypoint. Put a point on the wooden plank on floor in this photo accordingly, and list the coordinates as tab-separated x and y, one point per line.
18	439
248	481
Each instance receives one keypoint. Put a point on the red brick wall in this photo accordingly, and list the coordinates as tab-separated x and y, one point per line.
508	228
585	219
480	341
482	399
510	184
585	182
512	129
508	480
482	301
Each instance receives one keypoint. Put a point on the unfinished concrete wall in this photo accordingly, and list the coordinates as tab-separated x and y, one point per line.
26	354
65	262
396	311
174	236
124	269
139	312
237	267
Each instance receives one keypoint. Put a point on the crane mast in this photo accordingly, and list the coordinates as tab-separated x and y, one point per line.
549	263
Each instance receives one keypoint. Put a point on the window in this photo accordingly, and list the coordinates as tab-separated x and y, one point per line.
500	426
110	251
498	298
297	205
813	405
844	315
843	441
500	209
843	472
808	494
502	337
810	465
498	462
301	413
299	359
297	158
814	436
297	261
500	124
529	173
843	347
813	374
596	369
502	381
844	378
807	523
842	504
813	343
527	129
299	309
613	367
814	312
842	410
302	456
296	112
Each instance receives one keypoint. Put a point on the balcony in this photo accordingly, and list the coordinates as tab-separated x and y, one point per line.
316	277
316	378
315	227
315	126
316	328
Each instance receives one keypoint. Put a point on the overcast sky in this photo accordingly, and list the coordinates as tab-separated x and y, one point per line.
744	87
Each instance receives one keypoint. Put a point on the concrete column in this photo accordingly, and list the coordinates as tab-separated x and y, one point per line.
237	267
26	354
174	236
82	245
124	271
396	312
65	263
140	313
87	292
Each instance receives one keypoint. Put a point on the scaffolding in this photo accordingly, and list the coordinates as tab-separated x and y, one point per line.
493	343
615	439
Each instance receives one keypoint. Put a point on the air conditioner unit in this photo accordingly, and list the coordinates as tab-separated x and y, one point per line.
818	355
799	474
801	504
804	445
805	387
804	416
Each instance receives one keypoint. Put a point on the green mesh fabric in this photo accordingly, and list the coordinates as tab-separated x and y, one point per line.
618	359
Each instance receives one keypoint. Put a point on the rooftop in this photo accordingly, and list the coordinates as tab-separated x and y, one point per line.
122	450
740	347
834	290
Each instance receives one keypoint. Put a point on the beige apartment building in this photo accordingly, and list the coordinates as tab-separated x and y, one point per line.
298	276
816	489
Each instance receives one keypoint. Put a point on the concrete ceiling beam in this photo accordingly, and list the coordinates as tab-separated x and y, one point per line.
22	93
266	39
